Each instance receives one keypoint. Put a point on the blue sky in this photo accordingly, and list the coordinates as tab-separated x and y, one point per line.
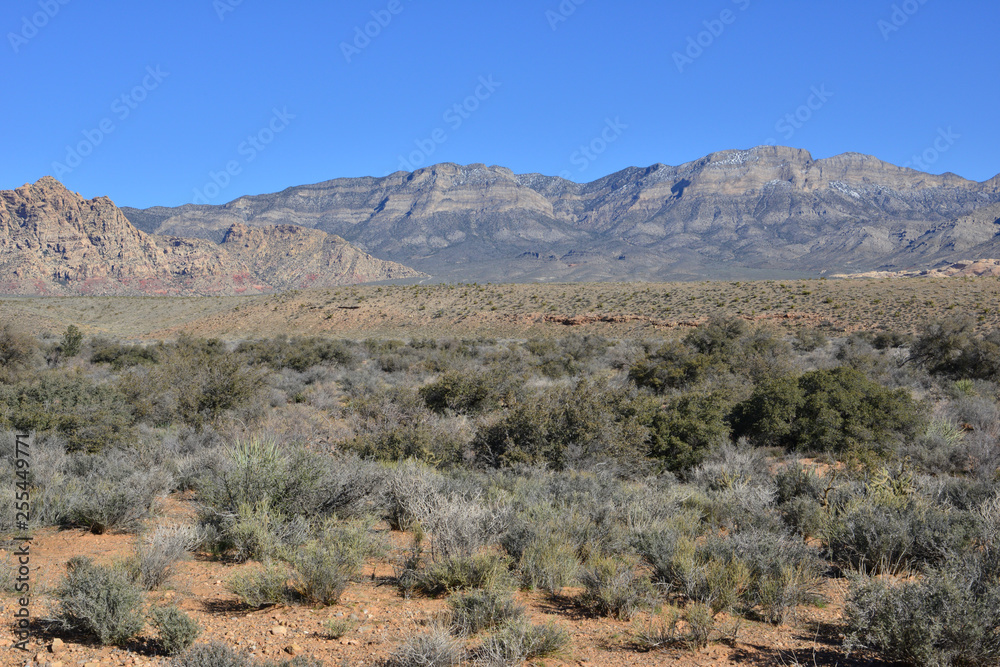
171	102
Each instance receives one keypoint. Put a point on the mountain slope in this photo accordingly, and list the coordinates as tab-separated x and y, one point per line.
55	242
734	213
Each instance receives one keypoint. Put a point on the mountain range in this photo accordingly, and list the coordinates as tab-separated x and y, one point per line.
766	212
55	242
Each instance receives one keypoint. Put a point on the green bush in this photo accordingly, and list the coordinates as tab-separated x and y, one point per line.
92	416
952	348
99	600
837	410
121	356
299	354
687	429
177	630
548	562
489	571
72	341
614	587
592	421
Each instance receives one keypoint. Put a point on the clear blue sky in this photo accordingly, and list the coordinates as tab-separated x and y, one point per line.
224	67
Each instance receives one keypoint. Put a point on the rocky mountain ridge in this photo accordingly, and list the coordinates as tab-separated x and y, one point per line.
761	212
54	242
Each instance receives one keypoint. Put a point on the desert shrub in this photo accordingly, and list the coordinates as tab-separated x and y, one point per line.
674	365
687	429
432	440
121	356
261	586
177	630
7	572
488	571
717	336
746	571
469	392
952	347
212	654
473	612
945	617
324	567
100	600
518	642
878	537
614	587
110	492
155	555
437	648
807	340
214	385
256	532
297	661
459	525
548	562
299	354
91	416
665	630
17	350
72	341
590	421
405	489
257	469
564	357
837	410
732	465
338	627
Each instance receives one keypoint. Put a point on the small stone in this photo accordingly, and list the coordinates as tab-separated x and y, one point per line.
57	646
91	664
40	658
293	649
279	630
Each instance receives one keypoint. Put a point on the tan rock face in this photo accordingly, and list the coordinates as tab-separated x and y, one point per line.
292	257
55	242
769	208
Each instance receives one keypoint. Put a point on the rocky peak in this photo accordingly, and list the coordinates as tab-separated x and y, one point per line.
53	241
